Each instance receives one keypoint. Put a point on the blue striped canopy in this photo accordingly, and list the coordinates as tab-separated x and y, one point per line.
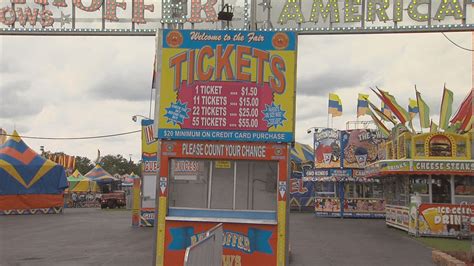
302	153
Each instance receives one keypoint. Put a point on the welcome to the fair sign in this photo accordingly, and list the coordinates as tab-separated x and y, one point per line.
143	17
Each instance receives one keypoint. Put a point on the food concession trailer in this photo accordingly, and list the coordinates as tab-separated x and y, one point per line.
428	182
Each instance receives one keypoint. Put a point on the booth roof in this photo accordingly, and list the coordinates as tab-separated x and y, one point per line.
23	171
99	175
302	153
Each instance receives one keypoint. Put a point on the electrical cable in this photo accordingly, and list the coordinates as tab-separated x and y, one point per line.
76	138
457	45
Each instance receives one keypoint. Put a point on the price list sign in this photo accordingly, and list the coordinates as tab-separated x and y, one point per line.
227	85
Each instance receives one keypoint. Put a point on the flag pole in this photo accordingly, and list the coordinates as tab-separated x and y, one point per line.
418	103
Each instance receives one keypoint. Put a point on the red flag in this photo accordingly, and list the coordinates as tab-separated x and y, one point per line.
390	101
465	109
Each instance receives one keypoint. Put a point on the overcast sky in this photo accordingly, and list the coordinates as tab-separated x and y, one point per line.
86	86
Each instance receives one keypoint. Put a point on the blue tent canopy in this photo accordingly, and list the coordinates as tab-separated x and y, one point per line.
302	153
23	171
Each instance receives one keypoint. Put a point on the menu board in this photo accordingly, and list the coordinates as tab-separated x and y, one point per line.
227	85
327	148
361	147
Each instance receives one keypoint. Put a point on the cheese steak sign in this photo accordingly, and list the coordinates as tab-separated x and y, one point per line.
143	17
464	166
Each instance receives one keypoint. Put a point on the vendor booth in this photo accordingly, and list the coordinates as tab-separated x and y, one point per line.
144	189
104	180
428	183
301	192
225	133
29	183
83	192
346	193
339	183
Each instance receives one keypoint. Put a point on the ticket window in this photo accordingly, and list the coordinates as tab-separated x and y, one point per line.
224	185
420	185
326	189
349	190
464	189
441	189
371	190
149	191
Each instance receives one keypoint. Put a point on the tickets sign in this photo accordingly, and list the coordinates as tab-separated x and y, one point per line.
228	85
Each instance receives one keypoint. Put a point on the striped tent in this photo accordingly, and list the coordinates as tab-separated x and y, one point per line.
302	153
79	183
29	183
130	178
99	175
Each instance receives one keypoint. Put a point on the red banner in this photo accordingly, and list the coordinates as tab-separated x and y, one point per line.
244	244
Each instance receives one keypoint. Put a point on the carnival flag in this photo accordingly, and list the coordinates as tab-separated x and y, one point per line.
382	115
433	127
334	105
386	111
412	108
464	115
391	102
383	129
423	110
446	108
362	104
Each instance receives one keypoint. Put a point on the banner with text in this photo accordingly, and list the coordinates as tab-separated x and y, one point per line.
228	85
149	147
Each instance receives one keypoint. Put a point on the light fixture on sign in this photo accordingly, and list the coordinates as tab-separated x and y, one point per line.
291	11
449	8
413	12
330	10
351	11
208	8
226	13
376	8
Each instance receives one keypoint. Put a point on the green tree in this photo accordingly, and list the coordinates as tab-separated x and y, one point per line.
118	165
83	164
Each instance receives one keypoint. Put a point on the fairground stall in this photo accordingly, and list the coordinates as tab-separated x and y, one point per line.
428	182
82	192
341	188
226	118
29	183
144	189
301	193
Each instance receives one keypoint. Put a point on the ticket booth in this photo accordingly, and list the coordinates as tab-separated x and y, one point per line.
242	185
225	120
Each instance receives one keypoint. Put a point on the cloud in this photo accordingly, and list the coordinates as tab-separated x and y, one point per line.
64	88
329	80
126	84
16	101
